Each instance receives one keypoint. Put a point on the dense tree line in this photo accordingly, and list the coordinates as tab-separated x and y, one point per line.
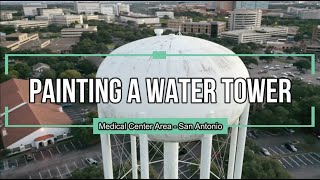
298	112
305	26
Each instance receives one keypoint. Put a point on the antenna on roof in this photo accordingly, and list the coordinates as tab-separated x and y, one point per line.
179	33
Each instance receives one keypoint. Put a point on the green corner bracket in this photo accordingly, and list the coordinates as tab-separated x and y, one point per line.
159	55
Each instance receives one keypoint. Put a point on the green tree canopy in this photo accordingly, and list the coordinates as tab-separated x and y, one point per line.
48	74
91	172
85	134
302	64
71	73
23	69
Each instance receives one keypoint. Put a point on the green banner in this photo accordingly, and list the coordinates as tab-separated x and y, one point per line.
160	126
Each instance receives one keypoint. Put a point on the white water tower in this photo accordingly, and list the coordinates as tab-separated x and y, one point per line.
141	67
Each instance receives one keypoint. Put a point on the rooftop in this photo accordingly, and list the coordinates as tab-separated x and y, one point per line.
62	44
255	30
7	43
139	16
17	34
90	28
33	114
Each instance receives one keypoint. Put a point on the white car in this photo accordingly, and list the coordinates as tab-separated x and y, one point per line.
274	76
285	74
289	130
265	152
91	161
309	82
266	67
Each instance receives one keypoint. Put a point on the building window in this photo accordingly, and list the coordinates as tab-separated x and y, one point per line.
27	146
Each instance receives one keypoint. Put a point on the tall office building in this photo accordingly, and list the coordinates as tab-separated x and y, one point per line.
244	19
224	6
108	9
87	7
31	9
251	4
211	5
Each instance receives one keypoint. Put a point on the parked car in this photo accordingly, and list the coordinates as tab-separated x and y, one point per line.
317	134
287	67
290	147
309	82
262	71
250	67
266	67
289	130
265	152
91	161
29	157
318	78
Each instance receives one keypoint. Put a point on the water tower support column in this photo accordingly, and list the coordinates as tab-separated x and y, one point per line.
144	156
206	149
106	156
144	151
171	160
241	143
232	152
133	141
106	152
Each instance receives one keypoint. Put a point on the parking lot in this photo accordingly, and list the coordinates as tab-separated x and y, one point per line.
282	63
75	113
62	171
298	160
300	164
278	150
41	154
60	160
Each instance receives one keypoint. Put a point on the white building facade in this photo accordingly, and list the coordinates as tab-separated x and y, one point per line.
256	35
47	12
108	9
5	16
243	18
63	20
78	30
31	9
87	7
26	23
162	14
140	19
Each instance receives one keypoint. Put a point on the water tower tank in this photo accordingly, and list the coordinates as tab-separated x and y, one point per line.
173	66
